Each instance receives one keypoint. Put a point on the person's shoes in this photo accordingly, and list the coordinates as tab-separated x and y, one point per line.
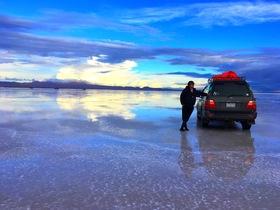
182	129
186	129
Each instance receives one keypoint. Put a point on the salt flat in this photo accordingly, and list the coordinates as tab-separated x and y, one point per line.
101	149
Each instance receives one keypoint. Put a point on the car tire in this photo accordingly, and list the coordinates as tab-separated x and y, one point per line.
246	125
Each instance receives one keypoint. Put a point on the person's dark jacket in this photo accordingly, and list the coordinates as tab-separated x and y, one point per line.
188	97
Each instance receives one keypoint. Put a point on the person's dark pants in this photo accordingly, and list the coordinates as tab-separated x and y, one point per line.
186	113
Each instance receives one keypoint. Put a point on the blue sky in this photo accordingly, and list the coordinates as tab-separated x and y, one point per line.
140	43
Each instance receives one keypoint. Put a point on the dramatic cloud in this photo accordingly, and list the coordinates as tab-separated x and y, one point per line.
32	50
23	43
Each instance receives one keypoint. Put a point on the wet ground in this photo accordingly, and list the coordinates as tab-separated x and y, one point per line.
76	149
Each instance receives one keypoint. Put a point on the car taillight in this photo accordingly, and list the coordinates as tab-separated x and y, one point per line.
252	105
210	104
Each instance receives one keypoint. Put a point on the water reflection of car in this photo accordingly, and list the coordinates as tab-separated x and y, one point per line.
227	154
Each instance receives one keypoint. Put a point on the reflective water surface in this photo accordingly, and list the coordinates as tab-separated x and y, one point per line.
100	149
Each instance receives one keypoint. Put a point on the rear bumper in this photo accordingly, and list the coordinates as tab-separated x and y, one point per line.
230	116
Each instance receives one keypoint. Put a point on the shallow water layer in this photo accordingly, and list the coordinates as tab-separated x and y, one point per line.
97	149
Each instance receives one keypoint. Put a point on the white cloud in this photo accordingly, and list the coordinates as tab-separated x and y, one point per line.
209	14
28	67
98	72
235	13
119	74
150	15
26	72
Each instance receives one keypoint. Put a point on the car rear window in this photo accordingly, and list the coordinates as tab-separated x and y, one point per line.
228	89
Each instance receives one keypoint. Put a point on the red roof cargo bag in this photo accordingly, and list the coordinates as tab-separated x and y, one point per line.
230	75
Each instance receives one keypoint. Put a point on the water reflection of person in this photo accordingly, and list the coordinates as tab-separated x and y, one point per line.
227	155
186	158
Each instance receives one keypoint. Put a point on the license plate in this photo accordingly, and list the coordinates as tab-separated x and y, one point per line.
230	105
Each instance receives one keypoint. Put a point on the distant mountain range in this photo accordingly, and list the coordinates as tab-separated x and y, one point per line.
72	85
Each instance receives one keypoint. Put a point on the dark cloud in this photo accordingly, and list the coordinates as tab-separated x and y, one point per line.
260	66
10	23
17	36
104	72
23	43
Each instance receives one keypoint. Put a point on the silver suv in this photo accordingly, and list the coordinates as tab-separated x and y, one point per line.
230	98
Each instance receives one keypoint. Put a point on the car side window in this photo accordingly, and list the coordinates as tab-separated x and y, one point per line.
206	89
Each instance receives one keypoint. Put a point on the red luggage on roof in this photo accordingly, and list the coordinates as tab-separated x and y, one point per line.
230	75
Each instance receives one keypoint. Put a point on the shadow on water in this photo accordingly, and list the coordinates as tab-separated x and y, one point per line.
227	154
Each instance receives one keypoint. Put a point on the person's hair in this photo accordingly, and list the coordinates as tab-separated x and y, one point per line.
190	82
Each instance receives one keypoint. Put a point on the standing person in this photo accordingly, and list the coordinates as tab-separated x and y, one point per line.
187	99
